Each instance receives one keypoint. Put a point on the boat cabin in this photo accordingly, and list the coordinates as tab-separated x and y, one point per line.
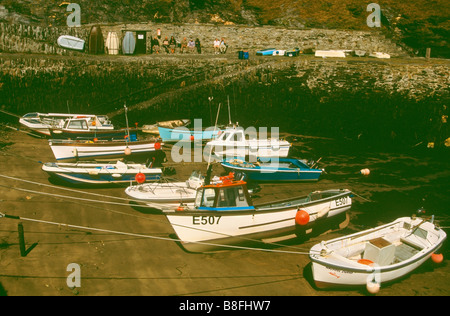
86	123
227	195
233	135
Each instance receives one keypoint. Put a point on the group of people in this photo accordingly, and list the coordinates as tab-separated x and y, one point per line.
169	46
220	47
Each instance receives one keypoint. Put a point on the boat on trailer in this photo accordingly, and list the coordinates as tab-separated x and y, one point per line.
224	215
102	173
376	255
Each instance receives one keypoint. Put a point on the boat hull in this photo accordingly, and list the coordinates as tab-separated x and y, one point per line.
203	230
92	173
184	134
273	172
405	250
257	148
76	151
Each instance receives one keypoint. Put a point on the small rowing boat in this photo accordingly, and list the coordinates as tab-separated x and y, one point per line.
376	255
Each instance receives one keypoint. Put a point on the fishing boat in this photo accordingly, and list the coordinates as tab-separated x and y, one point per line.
71	42
165	193
235	143
74	150
42	122
224	215
153	128
266	52
278	169
184	134
90	128
102	173
376	255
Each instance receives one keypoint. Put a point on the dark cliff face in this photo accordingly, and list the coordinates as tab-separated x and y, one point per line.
419	24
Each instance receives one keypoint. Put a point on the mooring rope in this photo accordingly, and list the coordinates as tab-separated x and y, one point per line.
142	235
125	204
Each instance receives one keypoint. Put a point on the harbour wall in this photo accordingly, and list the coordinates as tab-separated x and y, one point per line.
402	100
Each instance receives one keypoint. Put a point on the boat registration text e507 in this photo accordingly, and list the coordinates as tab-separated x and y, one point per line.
206	220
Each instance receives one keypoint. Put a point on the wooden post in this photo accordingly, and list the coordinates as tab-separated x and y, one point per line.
21	240
428	53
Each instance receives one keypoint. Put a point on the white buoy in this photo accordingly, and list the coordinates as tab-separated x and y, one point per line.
373	287
128	151
365	172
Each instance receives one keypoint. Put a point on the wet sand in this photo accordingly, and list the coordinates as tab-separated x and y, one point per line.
115	264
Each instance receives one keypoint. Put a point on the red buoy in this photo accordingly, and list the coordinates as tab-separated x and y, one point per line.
302	217
140	177
157	146
437	257
192	137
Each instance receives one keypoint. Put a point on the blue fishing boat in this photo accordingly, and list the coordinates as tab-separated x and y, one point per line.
102	173
185	134
275	169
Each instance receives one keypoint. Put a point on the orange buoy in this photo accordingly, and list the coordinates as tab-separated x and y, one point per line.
180	208
437	257
365	172
140	177
95	139
127	151
302	217
192	137
157	146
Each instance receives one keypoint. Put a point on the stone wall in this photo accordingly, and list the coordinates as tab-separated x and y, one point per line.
37	39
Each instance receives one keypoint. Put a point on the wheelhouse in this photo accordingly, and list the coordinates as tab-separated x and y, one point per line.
227	195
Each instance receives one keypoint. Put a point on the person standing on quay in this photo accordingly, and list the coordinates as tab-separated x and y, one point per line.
198	45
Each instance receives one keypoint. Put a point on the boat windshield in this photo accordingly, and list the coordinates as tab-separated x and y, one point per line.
205	197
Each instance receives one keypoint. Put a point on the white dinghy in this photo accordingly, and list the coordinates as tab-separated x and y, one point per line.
377	255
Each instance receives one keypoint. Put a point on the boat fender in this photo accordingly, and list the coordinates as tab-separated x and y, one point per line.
301	217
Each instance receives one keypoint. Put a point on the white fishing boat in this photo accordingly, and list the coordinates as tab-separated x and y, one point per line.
90	128
42	122
224	215
235	143
75	150
377	255
102	173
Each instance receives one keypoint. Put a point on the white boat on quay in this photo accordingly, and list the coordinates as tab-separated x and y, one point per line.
377	255
224	215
